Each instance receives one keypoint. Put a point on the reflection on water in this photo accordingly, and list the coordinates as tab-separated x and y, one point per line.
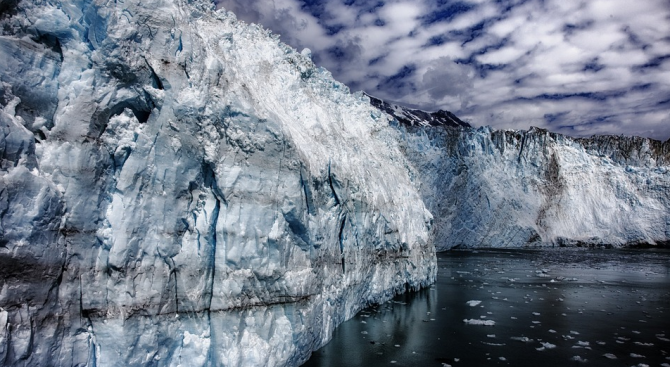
549	308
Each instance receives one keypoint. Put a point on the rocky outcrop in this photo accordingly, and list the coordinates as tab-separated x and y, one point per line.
413	117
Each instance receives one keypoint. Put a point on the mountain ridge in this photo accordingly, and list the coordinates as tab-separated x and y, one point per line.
413	117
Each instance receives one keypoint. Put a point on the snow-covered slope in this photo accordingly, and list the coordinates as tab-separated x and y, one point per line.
412	117
181	189
504	188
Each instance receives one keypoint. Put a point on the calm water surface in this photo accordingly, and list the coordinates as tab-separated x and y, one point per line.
549	308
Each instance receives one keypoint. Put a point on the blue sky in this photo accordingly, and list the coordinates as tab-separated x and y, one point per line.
575	67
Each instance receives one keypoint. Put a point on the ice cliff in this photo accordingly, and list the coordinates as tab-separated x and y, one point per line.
504	188
178	188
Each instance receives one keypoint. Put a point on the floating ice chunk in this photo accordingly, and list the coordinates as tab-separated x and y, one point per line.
548	345
479	322
473	303
645	344
583	344
609	356
635	355
494	344
536	313
524	339
578	359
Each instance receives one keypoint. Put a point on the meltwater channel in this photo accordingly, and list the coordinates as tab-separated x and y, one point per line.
557	307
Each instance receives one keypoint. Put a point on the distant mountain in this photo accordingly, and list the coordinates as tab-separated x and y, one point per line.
412	117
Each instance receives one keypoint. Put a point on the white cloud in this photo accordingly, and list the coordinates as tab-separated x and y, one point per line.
503	56
401	17
443	78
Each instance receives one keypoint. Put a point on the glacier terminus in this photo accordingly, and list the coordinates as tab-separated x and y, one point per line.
180	188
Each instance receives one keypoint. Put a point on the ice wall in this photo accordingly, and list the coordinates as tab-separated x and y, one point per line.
181	189
504	188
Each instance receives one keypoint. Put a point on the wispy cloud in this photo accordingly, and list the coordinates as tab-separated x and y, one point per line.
577	67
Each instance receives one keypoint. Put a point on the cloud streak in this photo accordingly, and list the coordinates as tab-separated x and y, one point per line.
577	67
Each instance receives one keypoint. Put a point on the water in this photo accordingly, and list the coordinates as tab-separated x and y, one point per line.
550	308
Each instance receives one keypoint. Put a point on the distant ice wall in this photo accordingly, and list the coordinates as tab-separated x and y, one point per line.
504	188
179	188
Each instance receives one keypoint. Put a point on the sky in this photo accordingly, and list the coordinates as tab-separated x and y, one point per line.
570	66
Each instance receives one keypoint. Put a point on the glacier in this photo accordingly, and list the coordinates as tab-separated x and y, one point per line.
182	189
179	188
507	188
